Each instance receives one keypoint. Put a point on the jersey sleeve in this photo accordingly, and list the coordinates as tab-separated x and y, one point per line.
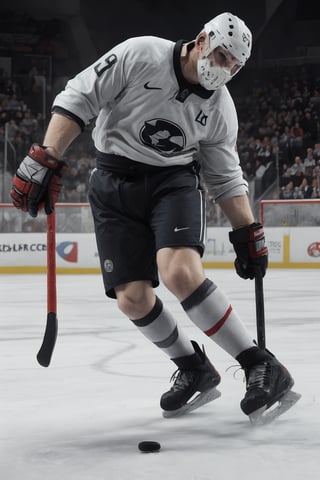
101	82
220	164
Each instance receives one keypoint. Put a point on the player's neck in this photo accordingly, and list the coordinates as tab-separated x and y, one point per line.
188	60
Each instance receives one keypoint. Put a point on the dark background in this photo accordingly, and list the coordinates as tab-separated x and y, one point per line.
44	43
281	29
61	37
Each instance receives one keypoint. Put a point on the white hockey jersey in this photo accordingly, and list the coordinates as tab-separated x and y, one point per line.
146	111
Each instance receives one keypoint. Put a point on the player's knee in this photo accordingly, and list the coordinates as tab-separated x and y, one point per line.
135	305
128	306
177	277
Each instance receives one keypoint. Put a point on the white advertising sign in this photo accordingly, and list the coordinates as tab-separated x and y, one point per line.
305	245
73	250
219	248
295	246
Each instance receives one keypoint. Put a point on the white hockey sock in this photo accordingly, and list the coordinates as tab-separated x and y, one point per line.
210	310
160	327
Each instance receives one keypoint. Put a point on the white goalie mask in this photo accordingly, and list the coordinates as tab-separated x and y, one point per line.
232	35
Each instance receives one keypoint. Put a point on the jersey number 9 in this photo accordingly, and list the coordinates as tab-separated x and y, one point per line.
109	61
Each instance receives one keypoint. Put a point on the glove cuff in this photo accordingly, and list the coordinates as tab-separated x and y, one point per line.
244	234
39	154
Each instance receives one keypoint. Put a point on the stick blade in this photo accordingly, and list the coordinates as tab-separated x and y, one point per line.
49	340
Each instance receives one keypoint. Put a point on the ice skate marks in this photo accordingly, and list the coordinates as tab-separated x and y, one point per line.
264	415
196	402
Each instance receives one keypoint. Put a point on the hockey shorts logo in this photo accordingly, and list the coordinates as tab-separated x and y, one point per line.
164	136
108	265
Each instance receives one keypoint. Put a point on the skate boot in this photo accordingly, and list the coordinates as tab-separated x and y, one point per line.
267	383
191	388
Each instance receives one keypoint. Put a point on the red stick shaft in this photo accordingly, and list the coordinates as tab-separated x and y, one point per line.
51	263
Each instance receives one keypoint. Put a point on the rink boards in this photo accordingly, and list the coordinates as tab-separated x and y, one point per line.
289	247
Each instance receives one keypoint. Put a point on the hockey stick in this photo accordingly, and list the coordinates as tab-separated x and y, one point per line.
263	415
260	318
51	331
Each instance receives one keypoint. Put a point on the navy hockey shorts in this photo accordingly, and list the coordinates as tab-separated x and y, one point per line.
140	210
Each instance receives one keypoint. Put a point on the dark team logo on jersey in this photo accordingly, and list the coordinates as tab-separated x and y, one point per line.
164	136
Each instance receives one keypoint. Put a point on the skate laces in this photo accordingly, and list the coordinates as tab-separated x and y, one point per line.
236	369
181	379
259	376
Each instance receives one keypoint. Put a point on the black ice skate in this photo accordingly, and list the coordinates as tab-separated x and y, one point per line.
191	388
268	383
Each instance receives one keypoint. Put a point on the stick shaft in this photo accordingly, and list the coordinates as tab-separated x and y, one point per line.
260	317
51	331
51	264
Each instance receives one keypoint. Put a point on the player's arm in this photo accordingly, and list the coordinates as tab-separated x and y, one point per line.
237	210
225	182
37	182
61	132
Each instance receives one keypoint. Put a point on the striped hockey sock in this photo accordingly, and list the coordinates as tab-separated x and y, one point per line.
210	310
160	327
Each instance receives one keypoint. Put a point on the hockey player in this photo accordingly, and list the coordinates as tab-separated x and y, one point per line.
163	113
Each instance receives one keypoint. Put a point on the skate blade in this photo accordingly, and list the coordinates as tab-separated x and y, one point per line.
264	415
197	402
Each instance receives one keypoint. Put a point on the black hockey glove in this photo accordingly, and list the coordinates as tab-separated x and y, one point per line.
252	254
37	182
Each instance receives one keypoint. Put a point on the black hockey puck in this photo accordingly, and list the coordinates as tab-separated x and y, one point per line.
149	446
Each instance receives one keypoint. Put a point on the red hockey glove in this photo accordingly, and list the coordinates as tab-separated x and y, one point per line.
251	250
37	182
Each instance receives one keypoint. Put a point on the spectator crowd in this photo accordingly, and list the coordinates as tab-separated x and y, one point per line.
278	141
279	131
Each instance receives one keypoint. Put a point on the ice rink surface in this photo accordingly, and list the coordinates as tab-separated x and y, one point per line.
83	417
